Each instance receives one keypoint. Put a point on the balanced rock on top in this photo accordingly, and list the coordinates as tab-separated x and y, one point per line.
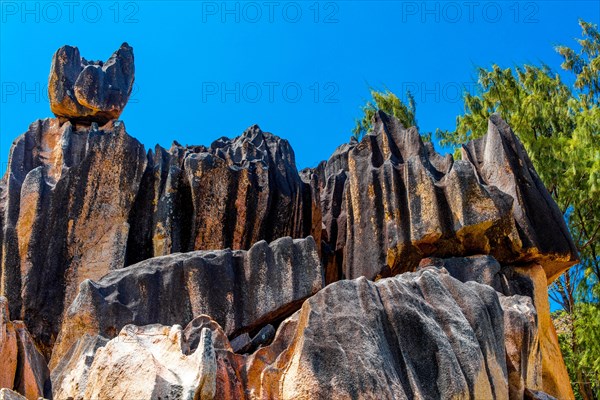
90	91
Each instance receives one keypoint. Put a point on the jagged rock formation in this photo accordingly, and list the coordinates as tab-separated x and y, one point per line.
417	335
393	194
22	367
80	201
69	193
106	251
529	282
240	289
230	195
90	91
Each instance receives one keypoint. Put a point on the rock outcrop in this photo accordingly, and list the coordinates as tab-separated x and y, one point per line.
69	194
389	271
79	201
22	367
90	91
8	347
527	320
241	290
417	335
156	362
393	194
230	195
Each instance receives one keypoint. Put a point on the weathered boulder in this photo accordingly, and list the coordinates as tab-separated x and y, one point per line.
416	335
230	195
393	194
523	355
149	363
532	343
154	362
90	91
71	374
241	290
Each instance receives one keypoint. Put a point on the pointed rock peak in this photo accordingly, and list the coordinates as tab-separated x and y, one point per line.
252	130
393	140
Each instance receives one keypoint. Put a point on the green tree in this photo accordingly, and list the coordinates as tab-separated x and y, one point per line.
559	125
391	104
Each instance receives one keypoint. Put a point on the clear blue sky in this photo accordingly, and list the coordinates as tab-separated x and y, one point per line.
210	69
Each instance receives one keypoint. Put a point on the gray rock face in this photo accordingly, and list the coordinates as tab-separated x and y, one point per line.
533	354
481	269
394	195
241	290
416	335
502	162
523	355
90	91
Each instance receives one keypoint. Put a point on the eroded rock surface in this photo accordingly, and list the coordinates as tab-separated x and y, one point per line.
523	355
8	347
229	195
532	343
69	193
394	195
90	91
416	335
241	290
22	367
154	362
101	242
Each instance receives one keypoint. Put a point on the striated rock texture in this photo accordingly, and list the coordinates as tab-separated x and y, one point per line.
230	195
22	367
7	394
527	321
90	91
156	362
69	193
8	347
240	289
417	335
523	356
106	251
392	194
79	201
71	374
530	281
